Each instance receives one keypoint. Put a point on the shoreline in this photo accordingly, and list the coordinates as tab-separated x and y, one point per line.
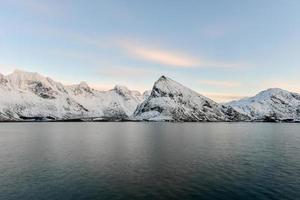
141	121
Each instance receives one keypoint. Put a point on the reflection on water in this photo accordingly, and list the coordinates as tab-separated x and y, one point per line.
149	161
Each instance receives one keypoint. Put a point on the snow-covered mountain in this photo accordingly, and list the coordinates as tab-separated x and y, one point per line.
270	105
26	95
171	101
31	96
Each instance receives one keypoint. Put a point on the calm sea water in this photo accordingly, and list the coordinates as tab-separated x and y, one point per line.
149	161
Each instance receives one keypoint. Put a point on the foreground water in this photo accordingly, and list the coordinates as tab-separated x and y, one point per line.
149	161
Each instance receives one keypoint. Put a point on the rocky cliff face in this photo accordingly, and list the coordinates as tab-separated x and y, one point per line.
171	101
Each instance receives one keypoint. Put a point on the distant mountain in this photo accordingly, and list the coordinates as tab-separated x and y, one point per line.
26	95
270	105
171	101
31	96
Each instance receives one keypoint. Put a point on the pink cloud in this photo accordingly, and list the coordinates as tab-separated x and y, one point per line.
7	69
158	55
223	97
218	30
224	84
43	8
128	72
171	58
290	85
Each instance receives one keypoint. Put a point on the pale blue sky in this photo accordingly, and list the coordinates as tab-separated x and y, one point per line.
223	49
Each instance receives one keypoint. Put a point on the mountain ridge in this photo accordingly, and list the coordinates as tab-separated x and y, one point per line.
31	96
273	104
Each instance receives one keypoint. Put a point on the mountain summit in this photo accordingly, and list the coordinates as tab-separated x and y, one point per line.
172	101
31	96
270	105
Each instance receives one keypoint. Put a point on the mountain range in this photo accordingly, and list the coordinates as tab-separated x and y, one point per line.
27	96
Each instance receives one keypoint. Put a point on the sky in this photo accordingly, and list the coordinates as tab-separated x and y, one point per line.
225	50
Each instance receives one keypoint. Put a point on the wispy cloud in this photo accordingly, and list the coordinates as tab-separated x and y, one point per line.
169	57
290	85
108	86
43	8
217	30
158	55
222	84
128	72
7	69
222	97
101	86
133	77
79	38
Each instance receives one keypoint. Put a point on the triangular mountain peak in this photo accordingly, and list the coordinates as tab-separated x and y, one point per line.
170	100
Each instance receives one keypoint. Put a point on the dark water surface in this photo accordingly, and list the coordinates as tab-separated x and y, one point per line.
149	161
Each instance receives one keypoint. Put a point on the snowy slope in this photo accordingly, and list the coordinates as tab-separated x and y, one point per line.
270	105
31	96
26	95
171	101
